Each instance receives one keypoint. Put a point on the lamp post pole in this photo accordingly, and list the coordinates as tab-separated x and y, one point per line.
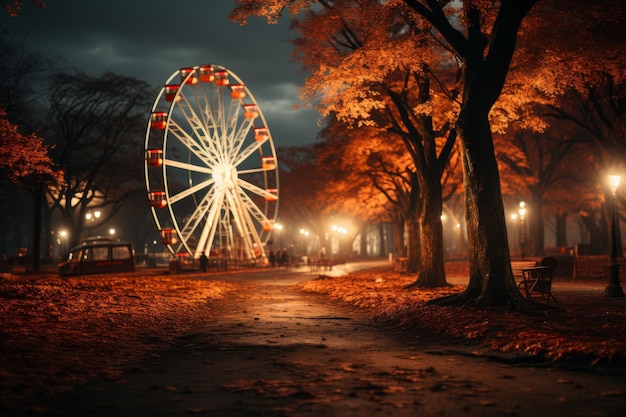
614	288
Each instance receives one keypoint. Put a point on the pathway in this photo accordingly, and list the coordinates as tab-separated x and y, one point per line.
270	350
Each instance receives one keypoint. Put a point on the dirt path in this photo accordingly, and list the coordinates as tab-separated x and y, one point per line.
284	353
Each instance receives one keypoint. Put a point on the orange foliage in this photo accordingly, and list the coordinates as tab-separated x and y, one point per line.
22	155
591	331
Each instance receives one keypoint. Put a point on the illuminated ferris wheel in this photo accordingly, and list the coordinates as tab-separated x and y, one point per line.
211	170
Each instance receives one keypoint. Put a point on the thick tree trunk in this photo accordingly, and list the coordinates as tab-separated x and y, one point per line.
491	277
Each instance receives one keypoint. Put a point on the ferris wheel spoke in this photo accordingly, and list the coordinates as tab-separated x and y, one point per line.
255	189
189	142
187	166
245	153
251	171
198	215
253	208
208	232
245	223
174	198
193	120
239	137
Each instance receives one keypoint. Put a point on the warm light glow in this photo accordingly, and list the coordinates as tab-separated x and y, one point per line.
443	217
339	229
63	234
514	216
93	216
112	231
278	226
304	232
615	180
522	209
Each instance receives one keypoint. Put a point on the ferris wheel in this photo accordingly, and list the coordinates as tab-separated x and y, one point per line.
210	166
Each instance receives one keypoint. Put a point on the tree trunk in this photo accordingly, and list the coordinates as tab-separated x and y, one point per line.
383	240
37	205
491	277
561	229
536	229
491	281
398	238
598	233
431	273
412	241
364	227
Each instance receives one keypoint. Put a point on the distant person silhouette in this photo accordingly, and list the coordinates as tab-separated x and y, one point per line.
203	262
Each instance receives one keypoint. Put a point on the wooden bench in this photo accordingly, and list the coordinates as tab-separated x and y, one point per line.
537	280
319	265
519	266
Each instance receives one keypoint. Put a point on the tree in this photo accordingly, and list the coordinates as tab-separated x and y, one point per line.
24	160
479	37
97	126
361	81
575	70
484	61
22	156
359	185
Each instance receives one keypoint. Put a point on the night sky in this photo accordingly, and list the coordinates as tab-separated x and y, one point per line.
150	39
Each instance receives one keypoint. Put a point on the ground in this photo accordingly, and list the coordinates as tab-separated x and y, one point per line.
60	333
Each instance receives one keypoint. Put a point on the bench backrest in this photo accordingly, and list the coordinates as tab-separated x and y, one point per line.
517	267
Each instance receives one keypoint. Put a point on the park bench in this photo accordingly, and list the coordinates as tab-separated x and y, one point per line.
518	266
537	280
319	265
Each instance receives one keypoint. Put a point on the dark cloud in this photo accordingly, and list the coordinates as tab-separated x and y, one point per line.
150	39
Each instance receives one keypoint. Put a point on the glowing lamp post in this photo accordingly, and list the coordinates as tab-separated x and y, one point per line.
614	288
522	237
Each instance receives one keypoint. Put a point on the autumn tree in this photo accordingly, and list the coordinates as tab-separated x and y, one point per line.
362	81
356	183
25	162
575	72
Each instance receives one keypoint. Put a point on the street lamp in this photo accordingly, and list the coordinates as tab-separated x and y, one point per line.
614	289
63	241
91	218
522	238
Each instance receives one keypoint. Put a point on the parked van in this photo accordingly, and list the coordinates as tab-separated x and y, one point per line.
99	256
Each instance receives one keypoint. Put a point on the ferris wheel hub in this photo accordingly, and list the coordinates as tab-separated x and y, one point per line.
224	175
